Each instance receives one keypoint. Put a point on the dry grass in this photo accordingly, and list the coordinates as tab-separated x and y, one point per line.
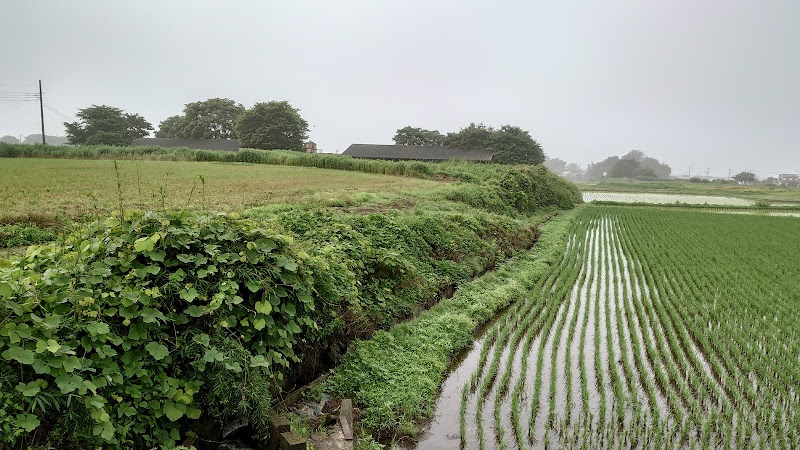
52	189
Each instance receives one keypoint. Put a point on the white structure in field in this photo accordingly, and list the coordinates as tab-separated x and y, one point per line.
788	179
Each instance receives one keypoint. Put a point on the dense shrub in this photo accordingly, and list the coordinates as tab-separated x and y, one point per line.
136	326
112	338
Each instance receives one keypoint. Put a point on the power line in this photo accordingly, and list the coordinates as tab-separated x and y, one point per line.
64	116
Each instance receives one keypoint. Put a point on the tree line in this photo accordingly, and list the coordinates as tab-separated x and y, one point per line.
509	144
278	125
269	125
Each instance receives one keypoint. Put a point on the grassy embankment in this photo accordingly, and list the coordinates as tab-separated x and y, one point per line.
231	307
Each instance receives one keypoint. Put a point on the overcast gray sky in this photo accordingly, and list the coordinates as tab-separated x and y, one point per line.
701	84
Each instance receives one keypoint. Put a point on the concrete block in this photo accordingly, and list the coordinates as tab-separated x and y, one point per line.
292	441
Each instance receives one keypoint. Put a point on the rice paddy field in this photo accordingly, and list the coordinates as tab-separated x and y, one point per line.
657	198
657	329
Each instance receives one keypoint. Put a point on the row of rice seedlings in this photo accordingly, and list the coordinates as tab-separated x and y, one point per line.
567	310
646	373
676	363
617	389
565	280
654	357
623	292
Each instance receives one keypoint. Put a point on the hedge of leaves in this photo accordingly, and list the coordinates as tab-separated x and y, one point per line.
109	339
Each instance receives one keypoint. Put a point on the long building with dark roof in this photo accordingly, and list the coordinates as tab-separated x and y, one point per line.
417	152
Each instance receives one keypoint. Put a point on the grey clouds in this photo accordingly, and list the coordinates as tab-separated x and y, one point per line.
710	84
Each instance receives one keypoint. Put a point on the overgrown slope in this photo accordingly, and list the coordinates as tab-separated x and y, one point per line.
139	328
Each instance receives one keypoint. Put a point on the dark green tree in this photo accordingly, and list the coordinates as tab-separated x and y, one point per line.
272	126
509	144
600	169
210	119
661	170
473	136
417	136
630	168
745	177
513	145
106	125
168	128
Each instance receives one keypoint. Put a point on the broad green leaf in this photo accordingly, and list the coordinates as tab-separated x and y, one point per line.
5	289
157	351
19	354
27	422
253	285
234	366
145	244
72	364
202	339
30	389
195	311
53	346
97	328
212	354
286	263
68	383
263	307
174	411
189	294
259	361
259	324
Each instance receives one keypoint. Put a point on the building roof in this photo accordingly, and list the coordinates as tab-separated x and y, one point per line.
788	175
230	145
416	152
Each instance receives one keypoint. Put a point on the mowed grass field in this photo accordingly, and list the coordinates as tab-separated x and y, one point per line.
54	190
658	329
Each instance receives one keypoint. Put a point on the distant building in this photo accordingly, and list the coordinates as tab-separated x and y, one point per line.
417	153
788	179
228	145
310	147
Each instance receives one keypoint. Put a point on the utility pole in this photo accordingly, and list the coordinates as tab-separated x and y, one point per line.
690	172
729	174
708	169
41	110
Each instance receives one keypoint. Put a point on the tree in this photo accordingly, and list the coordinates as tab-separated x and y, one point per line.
661	170
600	169
556	165
473	136
745	177
417	136
51	140
209	119
168	128
273	125
509	144
106	125
8	139
513	145
630	168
